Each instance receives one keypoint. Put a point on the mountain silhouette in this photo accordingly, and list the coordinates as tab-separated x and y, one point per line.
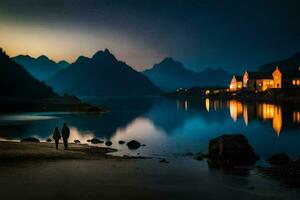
63	64
171	75
21	92
287	66
101	75
41	68
16	82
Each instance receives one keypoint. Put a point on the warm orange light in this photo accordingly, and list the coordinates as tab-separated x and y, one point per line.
235	109
207	104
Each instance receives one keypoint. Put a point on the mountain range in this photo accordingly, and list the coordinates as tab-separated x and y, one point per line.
21	92
42	68
170	75
101	75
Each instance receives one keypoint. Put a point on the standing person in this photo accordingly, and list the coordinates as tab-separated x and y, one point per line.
56	136
65	133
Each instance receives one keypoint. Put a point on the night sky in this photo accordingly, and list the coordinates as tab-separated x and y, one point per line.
234	35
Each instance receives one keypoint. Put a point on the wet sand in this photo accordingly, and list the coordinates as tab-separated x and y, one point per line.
42	151
69	175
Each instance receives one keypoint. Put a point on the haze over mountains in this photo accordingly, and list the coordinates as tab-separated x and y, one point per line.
42	67
102	75
170	75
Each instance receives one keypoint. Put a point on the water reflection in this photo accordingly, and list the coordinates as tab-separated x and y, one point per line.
167	125
296	117
262	111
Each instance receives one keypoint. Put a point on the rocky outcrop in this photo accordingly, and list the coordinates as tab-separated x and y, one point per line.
233	148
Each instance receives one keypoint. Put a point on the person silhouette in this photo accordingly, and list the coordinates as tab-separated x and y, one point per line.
56	136
65	133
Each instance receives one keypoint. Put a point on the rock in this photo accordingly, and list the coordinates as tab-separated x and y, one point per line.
48	140
88	140
96	141
121	142
76	141
163	161
133	144
279	159
189	154
30	139
108	143
143	145
234	148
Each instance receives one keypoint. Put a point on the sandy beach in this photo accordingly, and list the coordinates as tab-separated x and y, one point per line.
38	171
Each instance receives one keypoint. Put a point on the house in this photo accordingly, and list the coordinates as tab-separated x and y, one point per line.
258	81
236	83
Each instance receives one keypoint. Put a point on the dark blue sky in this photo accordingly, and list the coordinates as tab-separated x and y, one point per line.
234	35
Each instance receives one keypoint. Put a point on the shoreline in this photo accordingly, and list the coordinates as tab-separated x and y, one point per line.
15	151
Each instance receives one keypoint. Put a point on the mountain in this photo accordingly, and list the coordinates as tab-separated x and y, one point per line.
171	75
21	92
101	75
41	68
288	66
16	82
63	64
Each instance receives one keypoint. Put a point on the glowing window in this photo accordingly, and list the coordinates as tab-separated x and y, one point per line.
298	82
294	82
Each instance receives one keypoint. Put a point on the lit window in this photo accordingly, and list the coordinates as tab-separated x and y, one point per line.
298	82
294	82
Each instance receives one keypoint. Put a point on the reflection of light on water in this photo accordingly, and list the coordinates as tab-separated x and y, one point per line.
82	136
142	130
266	111
186	105
19	118
235	109
296	117
271	112
245	115
277	119
207	104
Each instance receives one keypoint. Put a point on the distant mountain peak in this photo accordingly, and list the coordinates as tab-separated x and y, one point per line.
106	55
169	63
63	63
43	57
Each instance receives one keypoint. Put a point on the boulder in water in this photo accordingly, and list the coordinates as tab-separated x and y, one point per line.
133	144
49	140
121	142
234	148
96	141
108	143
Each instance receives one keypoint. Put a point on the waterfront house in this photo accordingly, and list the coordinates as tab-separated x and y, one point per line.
236	83
259	81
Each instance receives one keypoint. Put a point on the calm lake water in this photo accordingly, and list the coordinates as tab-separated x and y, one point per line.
167	127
